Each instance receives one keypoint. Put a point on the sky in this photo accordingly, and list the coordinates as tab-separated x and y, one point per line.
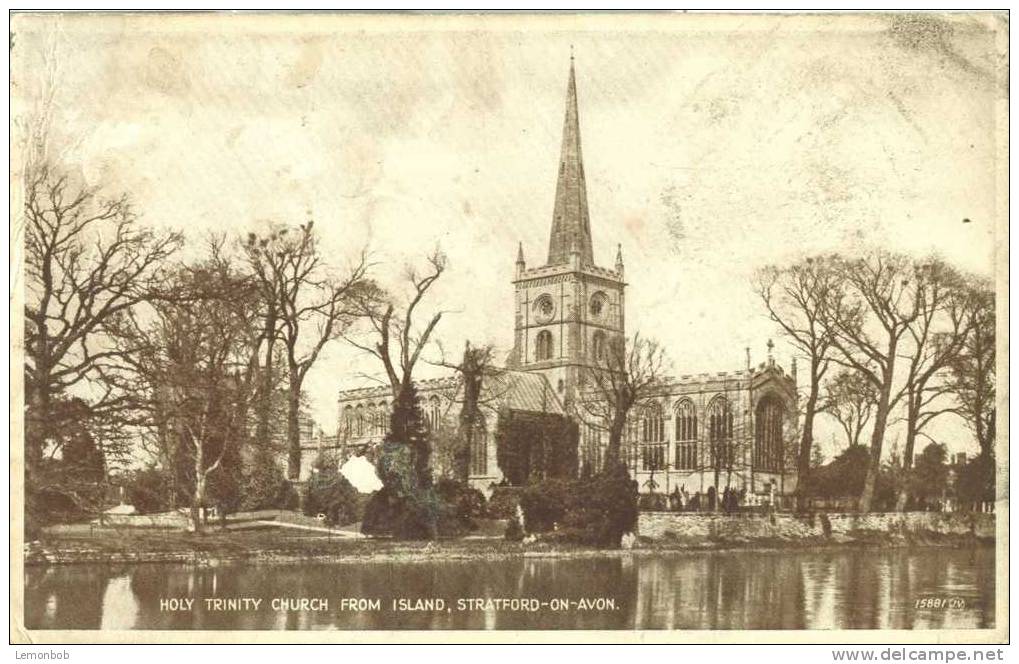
713	145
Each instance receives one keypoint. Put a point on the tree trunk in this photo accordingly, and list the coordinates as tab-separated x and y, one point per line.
876	443
198	499
806	445
902	497
294	428
615	438
262	434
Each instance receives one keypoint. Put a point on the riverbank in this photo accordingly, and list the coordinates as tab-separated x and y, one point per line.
284	545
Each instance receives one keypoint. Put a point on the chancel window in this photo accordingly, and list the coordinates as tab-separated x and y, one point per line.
720	439
543	346
479	451
686	435
768	424
591	451
653	444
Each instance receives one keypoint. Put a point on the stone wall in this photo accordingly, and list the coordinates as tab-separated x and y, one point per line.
670	525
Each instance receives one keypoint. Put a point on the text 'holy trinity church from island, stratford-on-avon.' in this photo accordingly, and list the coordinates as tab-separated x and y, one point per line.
733	428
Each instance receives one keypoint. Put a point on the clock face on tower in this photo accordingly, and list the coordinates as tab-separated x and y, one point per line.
544	308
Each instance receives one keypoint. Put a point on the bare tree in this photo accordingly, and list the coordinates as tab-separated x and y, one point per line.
87	260
310	305
198	367
936	338
477	388
796	298
398	343
972	370
869	328
625	377
850	400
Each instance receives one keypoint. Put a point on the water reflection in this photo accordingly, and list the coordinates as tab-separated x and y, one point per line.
858	589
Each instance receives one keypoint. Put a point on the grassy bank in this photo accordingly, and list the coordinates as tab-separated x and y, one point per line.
282	545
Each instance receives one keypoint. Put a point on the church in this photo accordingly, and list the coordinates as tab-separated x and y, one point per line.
697	433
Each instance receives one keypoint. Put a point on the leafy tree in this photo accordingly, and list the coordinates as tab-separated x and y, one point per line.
533	446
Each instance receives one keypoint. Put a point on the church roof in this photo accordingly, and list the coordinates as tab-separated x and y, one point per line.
571	225
525	391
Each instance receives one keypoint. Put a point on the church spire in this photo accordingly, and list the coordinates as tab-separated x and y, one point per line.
571	227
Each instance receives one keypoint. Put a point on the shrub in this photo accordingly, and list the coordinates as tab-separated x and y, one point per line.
503	503
545	503
514	533
330	493
267	488
148	490
465	502
423	515
596	511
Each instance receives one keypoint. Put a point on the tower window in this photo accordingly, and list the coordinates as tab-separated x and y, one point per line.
543	346
598	346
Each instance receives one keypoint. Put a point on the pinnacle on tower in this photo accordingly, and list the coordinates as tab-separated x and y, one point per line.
571	225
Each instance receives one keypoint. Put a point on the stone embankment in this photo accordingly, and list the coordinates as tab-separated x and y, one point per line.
819	527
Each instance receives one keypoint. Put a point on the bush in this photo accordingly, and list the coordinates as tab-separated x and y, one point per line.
418	516
330	493
545	503
466	502
267	488
503	503
596	511
148	490
514	533
657	502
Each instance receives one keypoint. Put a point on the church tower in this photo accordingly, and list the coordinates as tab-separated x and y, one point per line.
568	309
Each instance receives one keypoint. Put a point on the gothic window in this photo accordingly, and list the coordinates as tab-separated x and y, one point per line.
599	303
720	433
598	346
768	422
381	419
543	346
686	435
591	453
359	420
348	421
479	451
653	444
433	412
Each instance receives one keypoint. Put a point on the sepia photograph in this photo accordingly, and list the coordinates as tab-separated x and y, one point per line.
677	327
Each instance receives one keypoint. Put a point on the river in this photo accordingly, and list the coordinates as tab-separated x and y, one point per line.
924	588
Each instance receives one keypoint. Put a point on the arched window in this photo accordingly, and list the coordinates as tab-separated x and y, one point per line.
479	451
591	452
432	413
543	346
768	424
359	419
381	419
652	451
347	422
686	435
598	346
720	433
